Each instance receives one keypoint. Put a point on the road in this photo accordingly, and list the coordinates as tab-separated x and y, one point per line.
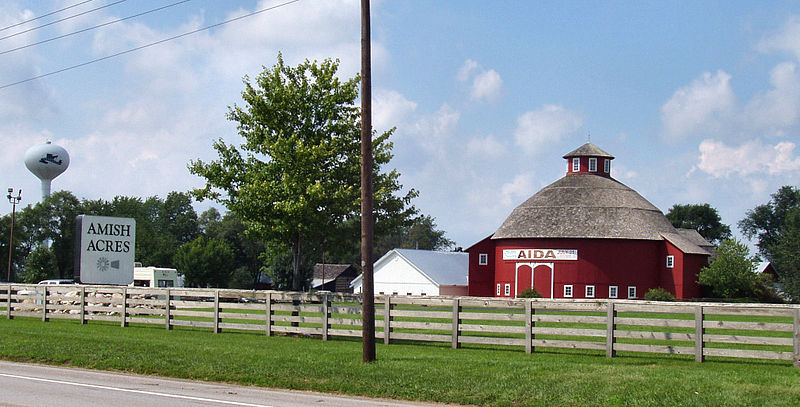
38	385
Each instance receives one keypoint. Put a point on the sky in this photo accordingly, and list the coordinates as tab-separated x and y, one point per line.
698	101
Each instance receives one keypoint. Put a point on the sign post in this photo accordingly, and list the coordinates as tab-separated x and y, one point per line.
104	249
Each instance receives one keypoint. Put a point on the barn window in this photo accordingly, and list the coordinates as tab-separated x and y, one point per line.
508	289
612	291
483	259
632	291
568	290
589	291
607	166
670	261
576	164
498	289
592	165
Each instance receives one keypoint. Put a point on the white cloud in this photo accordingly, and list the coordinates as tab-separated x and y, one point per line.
466	70
548	125
389	109
698	106
433	132
521	187
486	84
786	39
780	106
485	147
750	158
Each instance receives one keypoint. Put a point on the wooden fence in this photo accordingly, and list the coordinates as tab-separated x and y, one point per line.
760	331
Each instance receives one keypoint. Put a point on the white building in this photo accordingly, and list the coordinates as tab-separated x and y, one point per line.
419	272
156	277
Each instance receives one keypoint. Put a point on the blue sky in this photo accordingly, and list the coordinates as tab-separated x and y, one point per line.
698	101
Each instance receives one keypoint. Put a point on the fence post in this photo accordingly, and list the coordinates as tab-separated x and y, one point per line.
387	319
796	356
124	310
216	311
698	334
528	325
325	312
268	311
456	322
83	305
8	310
44	303
610	326
167	322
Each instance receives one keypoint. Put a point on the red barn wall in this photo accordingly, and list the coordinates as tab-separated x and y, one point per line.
481	277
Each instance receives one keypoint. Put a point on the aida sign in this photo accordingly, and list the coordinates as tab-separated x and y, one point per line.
539	254
104	249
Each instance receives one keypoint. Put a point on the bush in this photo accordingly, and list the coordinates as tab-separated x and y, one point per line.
658	294
733	273
529	293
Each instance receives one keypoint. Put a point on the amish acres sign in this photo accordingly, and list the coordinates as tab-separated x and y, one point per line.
104	249
539	254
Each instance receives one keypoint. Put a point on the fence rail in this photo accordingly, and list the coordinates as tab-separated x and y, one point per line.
760	331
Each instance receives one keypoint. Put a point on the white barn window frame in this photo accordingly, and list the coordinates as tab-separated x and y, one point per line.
568	291
613	291
483	259
508	290
589	291
670	261
631	291
593	164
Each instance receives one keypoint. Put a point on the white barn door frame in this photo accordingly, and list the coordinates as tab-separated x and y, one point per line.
533	267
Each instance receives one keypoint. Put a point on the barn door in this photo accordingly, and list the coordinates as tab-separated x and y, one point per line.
543	279
524	278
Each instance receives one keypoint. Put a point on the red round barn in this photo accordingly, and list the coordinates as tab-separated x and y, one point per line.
587	235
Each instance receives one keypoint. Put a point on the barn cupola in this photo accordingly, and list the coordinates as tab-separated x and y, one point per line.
589	159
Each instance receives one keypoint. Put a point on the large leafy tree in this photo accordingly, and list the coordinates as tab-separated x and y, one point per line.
295	179
53	221
702	218
732	274
777	228
205	262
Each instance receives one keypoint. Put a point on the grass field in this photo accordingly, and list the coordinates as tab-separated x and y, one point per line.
414	372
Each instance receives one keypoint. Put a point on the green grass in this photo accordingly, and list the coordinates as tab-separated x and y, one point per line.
430	372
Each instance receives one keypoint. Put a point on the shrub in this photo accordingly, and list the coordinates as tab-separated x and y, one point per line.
658	294
529	293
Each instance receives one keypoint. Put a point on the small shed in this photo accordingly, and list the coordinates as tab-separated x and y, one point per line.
419	272
334	277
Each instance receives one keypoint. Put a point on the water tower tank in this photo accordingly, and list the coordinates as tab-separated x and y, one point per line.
46	161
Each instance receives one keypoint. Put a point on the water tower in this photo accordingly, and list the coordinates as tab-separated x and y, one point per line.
46	161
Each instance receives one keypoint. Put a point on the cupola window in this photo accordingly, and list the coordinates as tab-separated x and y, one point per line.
606	165
576	164
593	165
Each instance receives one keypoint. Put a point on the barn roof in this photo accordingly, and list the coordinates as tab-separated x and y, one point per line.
586	206
589	150
684	243
444	268
331	271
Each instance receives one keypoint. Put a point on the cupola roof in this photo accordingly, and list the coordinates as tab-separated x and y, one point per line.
589	150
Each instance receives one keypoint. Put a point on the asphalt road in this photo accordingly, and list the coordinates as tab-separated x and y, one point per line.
38	385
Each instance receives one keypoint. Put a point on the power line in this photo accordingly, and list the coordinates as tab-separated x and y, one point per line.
148	45
92	28
63	19
44	15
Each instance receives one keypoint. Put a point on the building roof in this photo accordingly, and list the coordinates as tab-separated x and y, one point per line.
586	206
684	243
589	150
331	271
441	268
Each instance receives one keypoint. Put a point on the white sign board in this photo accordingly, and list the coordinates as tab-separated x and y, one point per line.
540	254
104	249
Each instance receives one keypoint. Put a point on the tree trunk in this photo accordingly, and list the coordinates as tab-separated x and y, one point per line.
296	264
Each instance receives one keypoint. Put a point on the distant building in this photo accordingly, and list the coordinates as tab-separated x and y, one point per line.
587	236
419	272
156	277
334	277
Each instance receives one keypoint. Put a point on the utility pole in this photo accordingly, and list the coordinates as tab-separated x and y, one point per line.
13	200
367	221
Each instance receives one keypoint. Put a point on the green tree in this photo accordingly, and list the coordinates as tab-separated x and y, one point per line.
766	221
295	181
40	264
732	274
422	234
53	221
204	263
786	255
702	218
21	247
